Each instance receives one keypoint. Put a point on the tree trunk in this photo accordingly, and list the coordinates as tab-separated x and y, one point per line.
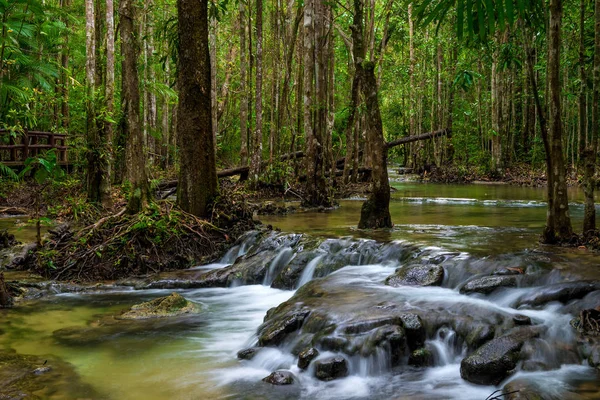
589	218
558	226
93	174
197	171
212	35
110	99
257	140
375	212
243	89
135	158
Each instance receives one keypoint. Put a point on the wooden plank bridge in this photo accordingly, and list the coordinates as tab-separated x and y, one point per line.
15	150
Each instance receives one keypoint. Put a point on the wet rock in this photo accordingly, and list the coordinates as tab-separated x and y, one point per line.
479	335
168	306
521	319
527	389
414	329
6	299
417	275
562	292
421	358
281	377
495	360
488	284
335	343
502	271
35	377
274	333
42	370
331	368
306	356
248	354
23	256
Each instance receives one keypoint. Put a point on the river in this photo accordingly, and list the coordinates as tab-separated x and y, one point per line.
467	227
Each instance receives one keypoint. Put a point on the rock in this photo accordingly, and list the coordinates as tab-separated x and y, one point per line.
41	370
494	361
281	377
520	319
421	358
417	275
168	306
527	389
26	377
331	368
306	356
274	334
248	354
562	292
414	329
508	271
488	284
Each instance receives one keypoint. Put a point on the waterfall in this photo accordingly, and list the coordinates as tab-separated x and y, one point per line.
309	271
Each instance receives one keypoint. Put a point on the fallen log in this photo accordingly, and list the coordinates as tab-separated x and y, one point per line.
243	171
416	138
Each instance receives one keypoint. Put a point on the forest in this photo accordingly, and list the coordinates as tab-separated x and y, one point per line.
299	199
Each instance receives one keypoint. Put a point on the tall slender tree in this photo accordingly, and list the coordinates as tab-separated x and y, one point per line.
135	158
198	184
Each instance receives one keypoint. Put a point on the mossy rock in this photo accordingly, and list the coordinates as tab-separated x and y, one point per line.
168	306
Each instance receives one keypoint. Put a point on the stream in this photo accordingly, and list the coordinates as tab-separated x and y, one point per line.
323	263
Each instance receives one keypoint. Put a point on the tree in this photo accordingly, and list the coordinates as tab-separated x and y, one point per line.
375	212
198	185
134	149
257	137
589	217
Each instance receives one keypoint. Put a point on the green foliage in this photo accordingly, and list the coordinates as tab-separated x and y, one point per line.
278	174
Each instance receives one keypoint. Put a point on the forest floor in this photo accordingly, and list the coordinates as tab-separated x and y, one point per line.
516	175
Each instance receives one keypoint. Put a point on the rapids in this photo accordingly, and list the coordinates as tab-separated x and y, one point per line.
338	274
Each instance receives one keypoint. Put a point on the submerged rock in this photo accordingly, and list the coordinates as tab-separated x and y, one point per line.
168	306
331	368
36	377
417	275
562	292
488	284
494	361
164	313
281	377
306	356
527	389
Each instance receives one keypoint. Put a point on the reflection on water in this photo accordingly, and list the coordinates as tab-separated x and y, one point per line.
480	219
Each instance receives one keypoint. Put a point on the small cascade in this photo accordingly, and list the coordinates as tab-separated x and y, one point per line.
444	347
282	259
239	249
309	271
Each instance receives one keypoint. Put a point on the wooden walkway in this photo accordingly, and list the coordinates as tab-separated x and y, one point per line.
15	150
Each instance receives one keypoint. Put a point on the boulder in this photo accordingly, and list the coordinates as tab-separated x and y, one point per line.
488	284
168	306
421	358
417	275
562	292
331	368
273	334
494	361
279	378
248	354
306	356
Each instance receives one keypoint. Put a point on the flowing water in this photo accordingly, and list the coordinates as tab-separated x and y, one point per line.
469	230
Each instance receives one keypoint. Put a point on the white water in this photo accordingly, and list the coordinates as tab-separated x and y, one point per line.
309	271
284	257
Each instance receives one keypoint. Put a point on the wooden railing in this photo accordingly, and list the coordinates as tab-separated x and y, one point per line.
30	144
